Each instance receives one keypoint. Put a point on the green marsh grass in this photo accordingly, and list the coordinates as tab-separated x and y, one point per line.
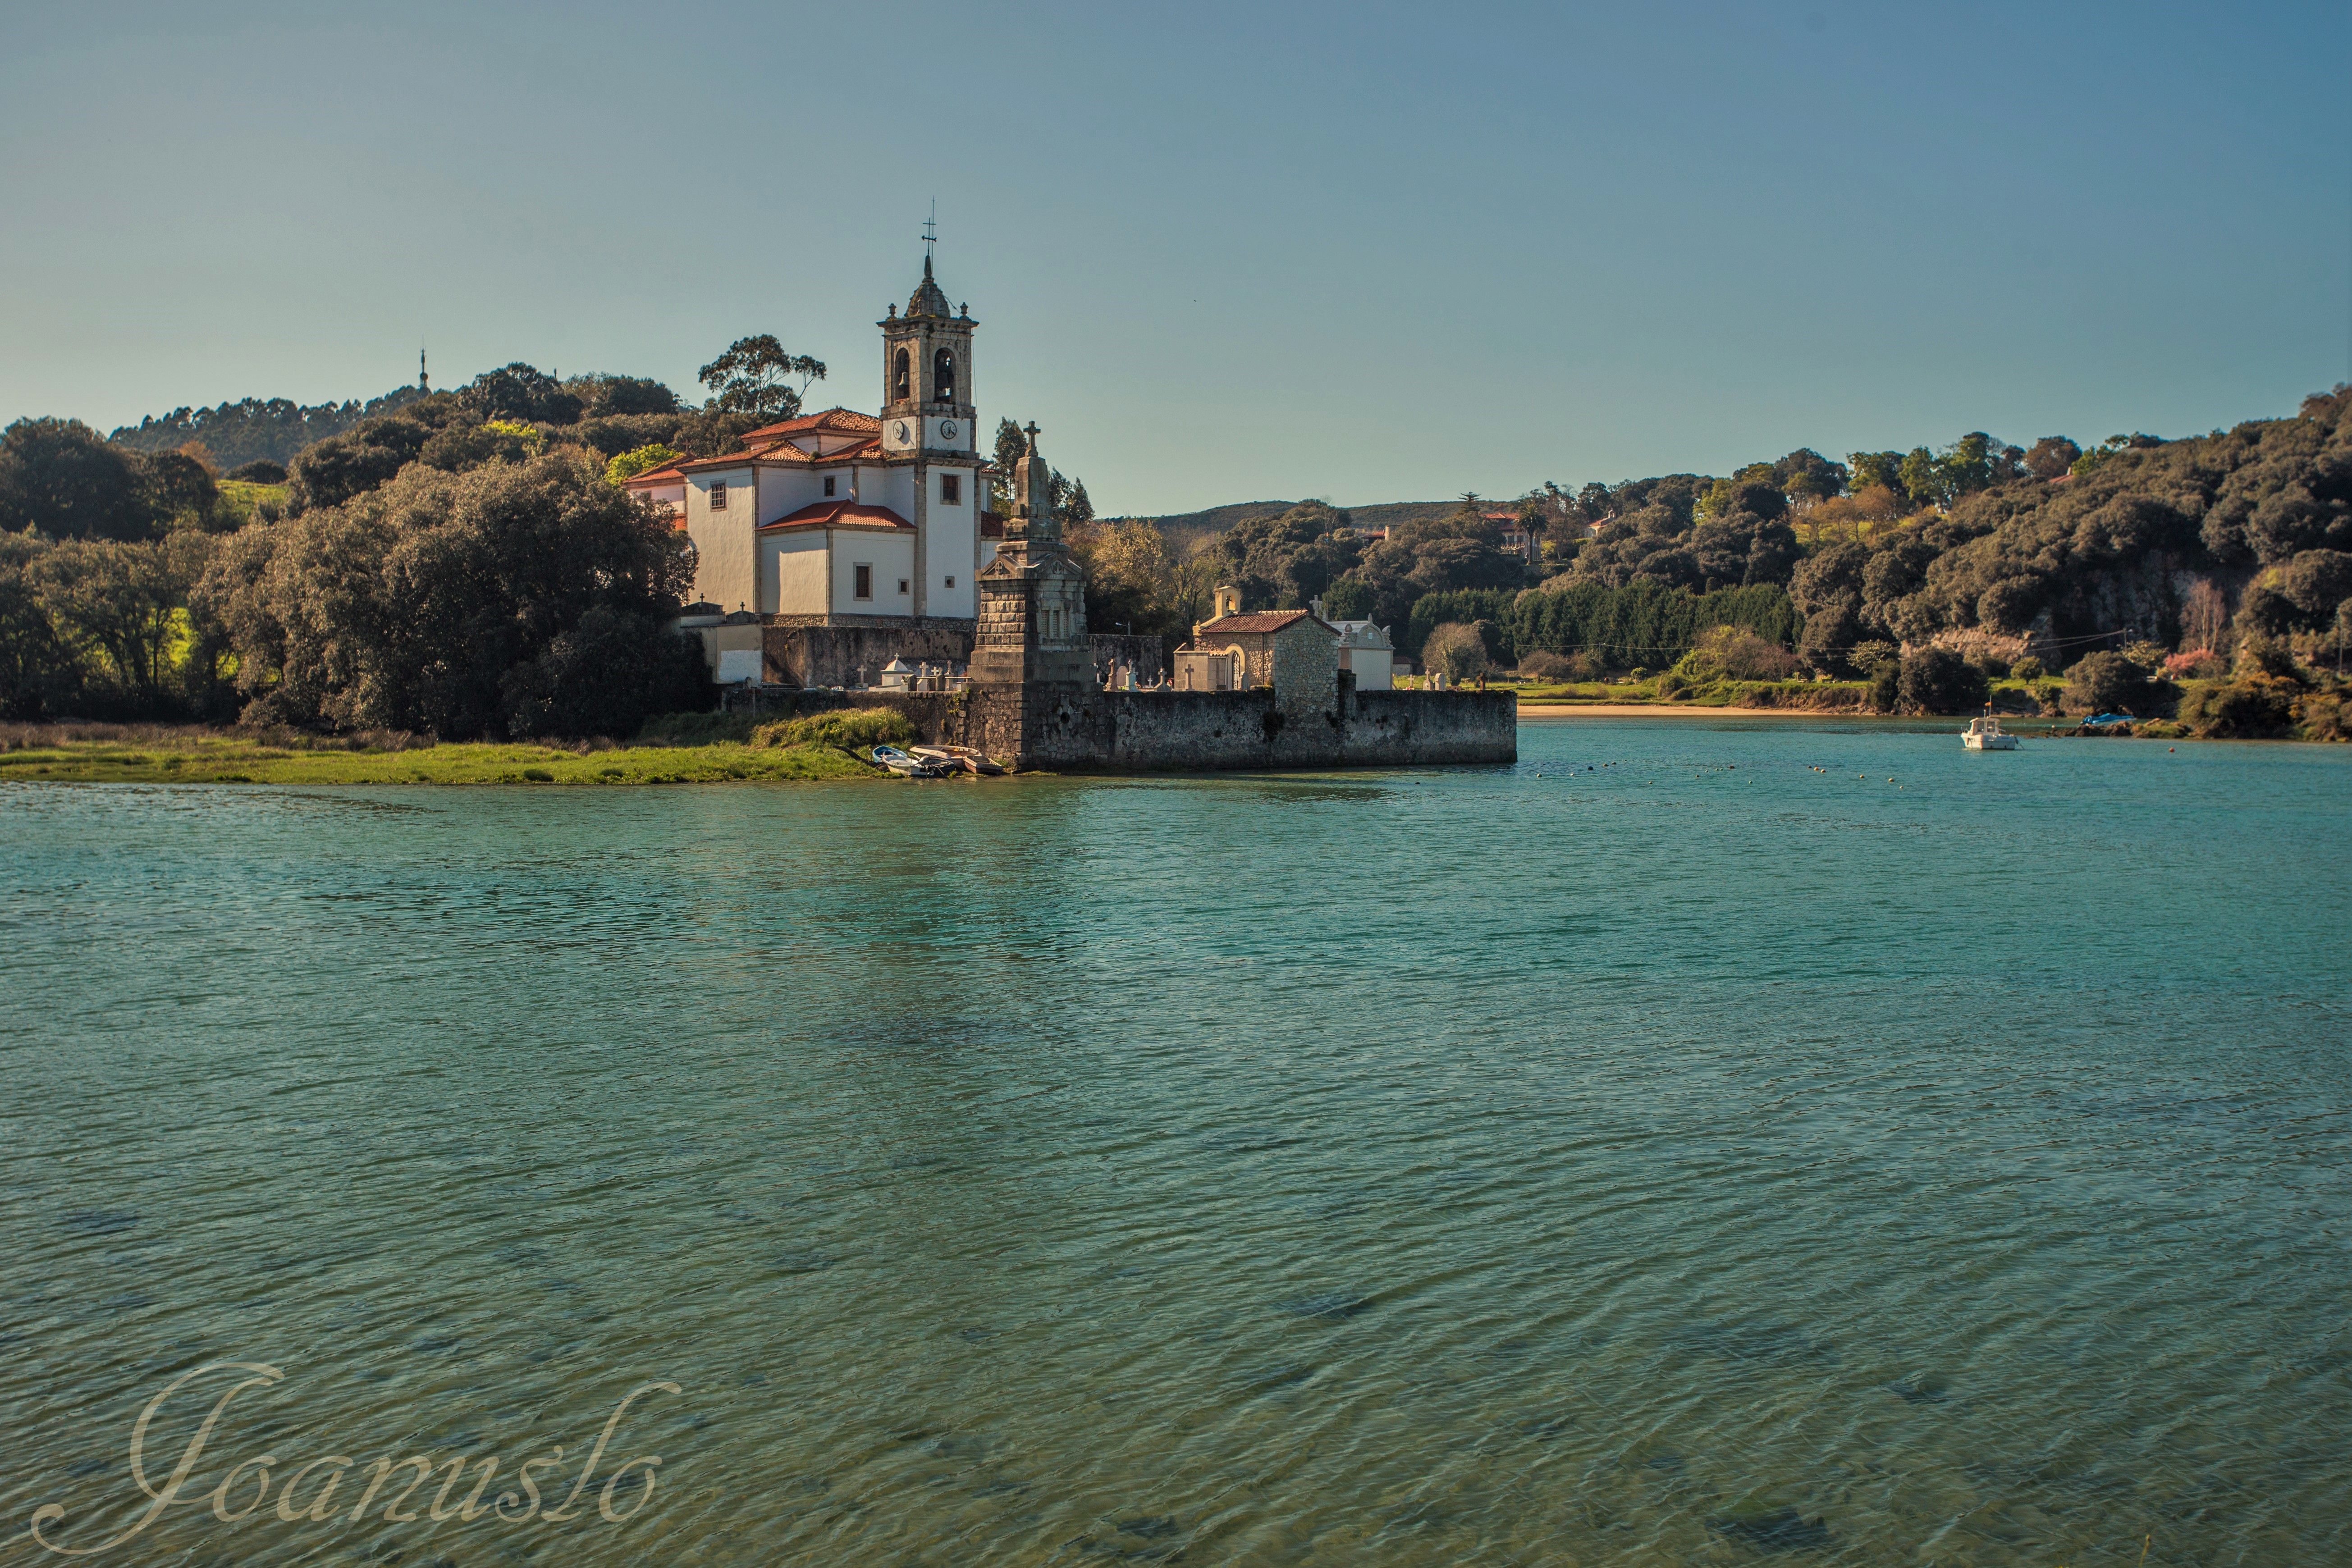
157	754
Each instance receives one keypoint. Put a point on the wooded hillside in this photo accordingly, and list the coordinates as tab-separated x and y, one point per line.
137	580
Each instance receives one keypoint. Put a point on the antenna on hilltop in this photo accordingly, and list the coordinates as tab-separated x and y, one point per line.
930	231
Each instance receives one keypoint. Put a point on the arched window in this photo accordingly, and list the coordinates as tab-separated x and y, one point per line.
943	376
902	377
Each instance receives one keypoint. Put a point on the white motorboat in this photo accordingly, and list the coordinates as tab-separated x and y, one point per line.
1985	735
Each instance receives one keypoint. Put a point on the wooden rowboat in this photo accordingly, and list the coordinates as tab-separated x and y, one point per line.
970	759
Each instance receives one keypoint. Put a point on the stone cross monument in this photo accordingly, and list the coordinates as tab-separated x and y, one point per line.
1033	598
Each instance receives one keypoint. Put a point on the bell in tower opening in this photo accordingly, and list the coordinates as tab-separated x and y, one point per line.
1032	596
926	372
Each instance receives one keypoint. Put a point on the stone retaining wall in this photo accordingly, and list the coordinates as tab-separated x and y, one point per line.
835	656
851	654
1070	730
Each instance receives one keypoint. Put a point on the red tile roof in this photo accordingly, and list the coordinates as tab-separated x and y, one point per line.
785	452
780	452
831	419
724	460
1262	621
665	475
829	513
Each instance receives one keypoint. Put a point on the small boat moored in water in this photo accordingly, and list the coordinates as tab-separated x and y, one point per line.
1985	735
906	765
970	759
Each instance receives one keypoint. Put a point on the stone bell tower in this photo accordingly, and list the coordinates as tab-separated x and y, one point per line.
927	374
1032	596
928	435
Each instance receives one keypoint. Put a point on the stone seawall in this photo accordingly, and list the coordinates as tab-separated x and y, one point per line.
1184	731
854	655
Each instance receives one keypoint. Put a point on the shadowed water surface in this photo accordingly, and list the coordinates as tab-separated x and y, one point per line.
1696	1159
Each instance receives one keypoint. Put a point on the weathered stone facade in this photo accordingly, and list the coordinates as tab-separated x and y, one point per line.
854	655
1079	730
1032	596
849	655
1296	652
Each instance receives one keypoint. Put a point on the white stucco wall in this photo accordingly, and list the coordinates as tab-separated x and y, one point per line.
893	557
1374	667
672	495
893	488
783	492
726	569
952	547
795	571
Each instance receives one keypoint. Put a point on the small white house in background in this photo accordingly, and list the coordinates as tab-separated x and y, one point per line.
1365	648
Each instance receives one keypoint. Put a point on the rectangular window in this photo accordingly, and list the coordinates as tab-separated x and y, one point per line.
864	575
902	585
719	496
951	489
828	484
951	582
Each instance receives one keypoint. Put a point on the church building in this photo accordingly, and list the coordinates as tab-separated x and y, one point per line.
846	551
841	519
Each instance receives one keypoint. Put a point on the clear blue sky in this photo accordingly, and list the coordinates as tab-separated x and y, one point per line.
1219	252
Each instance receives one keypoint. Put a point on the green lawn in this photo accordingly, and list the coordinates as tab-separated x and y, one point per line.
206	758
244	495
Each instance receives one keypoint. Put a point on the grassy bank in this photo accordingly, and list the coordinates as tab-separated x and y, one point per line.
144	754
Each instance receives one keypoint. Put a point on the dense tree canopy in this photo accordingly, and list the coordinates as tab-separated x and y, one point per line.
519	598
97	627
754	376
58	479
256	429
2213	543
1938	680
523	393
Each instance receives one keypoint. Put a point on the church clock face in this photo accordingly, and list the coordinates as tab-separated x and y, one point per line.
901	432
947	429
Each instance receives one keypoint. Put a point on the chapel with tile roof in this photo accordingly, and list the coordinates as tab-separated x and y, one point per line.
1294	652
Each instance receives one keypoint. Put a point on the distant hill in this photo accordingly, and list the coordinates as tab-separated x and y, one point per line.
271	429
1184	530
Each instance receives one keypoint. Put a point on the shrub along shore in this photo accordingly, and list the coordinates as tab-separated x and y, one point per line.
682	749
2268	695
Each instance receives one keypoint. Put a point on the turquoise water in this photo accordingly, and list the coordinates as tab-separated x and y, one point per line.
1655	1153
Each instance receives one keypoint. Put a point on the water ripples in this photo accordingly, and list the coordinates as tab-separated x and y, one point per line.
1699	1158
